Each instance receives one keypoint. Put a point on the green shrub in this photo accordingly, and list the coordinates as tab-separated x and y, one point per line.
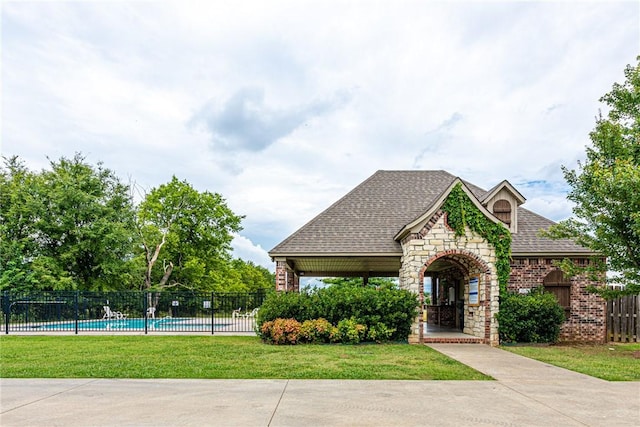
281	331
317	331
379	332
394	308
350	331
285	305
535	317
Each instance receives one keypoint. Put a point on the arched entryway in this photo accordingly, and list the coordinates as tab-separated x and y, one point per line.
455	292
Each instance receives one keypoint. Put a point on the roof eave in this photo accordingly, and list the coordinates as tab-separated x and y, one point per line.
274	255
556	254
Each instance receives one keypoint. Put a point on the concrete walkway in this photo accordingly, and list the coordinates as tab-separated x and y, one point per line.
526	393
585	400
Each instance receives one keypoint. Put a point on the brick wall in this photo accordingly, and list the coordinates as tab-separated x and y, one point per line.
286	279
587	314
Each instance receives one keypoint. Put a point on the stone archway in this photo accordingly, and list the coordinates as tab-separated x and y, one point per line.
456	303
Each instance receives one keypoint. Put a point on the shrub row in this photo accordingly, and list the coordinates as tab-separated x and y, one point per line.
315	331
386	314
535	317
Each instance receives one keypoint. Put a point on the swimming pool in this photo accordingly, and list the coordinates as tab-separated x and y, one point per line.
136	324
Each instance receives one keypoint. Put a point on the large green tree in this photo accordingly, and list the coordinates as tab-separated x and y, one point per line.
69	227
185	236
241	276
74	226
606	188
18	214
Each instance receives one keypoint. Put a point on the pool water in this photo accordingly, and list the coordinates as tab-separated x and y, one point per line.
187	324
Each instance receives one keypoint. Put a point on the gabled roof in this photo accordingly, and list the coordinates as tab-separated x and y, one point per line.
435	205
510	188
366	220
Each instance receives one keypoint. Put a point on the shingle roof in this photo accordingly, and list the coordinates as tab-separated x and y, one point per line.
526	240
366	220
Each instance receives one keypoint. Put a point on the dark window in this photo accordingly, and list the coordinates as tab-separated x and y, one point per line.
559	285
502	211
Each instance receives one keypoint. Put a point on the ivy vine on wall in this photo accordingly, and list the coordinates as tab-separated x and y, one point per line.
461	212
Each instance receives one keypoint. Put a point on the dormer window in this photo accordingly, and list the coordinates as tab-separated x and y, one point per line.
502	211
503	201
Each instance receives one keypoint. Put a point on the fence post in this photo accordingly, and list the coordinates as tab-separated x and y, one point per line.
145	309
7	311
75	308
213	317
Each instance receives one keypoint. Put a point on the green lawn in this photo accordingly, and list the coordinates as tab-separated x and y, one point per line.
218	357
613	362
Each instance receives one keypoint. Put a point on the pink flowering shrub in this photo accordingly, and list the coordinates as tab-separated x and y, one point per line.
281	331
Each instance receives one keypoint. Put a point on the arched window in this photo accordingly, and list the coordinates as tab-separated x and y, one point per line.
556	283
502	211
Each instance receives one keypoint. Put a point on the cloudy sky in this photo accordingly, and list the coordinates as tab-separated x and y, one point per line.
285	106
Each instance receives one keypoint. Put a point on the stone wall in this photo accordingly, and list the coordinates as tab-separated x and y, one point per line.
587	316
472	254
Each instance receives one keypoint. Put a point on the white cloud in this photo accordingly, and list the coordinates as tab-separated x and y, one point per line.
246	123
553	207
248	251
298	102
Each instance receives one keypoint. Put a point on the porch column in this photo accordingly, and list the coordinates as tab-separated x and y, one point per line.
286	279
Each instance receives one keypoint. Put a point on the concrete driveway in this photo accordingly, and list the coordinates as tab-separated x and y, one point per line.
526	393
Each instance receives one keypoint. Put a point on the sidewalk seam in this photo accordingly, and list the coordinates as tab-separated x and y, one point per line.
541	403
273	414
48	397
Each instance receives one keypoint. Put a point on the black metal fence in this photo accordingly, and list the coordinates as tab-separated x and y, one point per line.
129	311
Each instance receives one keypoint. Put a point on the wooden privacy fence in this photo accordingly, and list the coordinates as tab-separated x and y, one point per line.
623	319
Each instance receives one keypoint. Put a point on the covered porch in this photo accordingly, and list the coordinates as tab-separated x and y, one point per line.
290	269
436	318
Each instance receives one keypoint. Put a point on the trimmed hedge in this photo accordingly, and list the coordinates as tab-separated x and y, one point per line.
535	317
386	313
